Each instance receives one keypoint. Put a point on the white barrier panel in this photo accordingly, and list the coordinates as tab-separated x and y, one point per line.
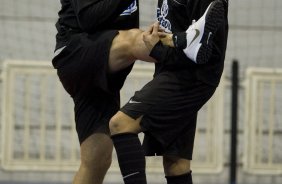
263	125
38	129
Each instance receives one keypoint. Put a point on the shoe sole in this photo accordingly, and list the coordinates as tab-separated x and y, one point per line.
214	19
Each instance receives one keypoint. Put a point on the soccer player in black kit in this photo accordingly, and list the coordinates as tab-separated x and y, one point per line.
89	52
166	108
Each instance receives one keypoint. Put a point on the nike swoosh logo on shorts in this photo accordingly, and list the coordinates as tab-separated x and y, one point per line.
196	36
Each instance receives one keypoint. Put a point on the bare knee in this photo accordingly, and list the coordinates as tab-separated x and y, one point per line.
96	152
95	163
174	166
121	123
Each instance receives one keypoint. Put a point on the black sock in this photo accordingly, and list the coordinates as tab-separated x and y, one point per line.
131	158
180	179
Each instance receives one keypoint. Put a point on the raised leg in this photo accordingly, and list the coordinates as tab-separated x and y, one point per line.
127	47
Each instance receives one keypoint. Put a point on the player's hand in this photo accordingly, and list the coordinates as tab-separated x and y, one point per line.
166	38
151	36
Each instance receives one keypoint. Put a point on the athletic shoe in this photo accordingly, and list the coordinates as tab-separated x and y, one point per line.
199	35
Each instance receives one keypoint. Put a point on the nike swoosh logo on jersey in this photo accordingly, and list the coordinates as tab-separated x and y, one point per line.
196	36
133	102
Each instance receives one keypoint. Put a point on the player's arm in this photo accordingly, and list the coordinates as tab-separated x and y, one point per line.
96	14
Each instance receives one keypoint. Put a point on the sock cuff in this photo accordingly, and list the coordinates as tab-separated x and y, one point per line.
124	135
183	178
179	40
180	176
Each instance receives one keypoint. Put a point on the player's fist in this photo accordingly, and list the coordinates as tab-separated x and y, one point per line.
151	36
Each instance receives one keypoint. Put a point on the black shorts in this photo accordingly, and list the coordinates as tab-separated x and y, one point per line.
82	67
169	105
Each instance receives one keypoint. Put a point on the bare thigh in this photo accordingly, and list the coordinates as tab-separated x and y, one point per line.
127	47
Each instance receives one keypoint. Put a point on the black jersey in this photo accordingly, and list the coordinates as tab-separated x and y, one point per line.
176	16
77	16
